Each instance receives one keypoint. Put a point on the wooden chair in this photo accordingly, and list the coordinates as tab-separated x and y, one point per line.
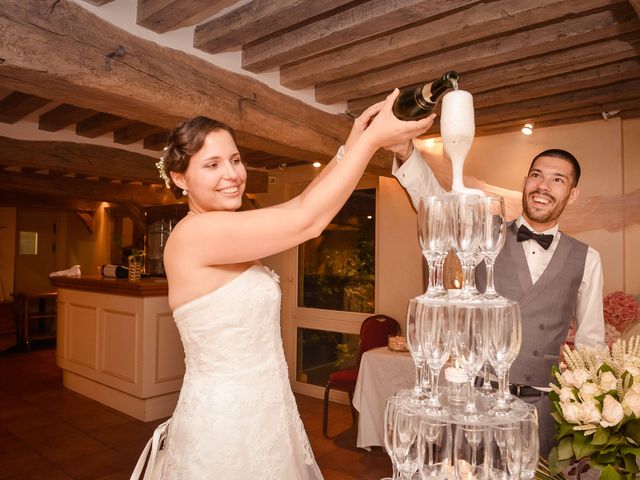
373	333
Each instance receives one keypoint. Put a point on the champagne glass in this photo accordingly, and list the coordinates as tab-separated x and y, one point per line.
530	443
392	405
494	231
434	238
414	343
465	223
457	129
504	337
468	325
505	451
470	452
436	345
434	443
405	441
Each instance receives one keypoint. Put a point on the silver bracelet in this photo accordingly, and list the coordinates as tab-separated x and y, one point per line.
340	153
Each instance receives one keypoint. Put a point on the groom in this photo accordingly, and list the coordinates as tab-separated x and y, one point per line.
553	276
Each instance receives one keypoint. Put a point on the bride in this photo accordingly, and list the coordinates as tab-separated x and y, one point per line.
236	417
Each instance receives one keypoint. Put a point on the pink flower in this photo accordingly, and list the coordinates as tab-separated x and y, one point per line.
620	309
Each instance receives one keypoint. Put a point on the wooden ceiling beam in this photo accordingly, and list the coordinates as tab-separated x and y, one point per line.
472	24
636	6
342	28
621	91
98	3
79	158
162	16
85	189
34	200
18	105
558	36
257	19
150	86
134	131
100	124
533	69
156	141
62	116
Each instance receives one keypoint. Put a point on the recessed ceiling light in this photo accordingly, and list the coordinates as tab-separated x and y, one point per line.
527	129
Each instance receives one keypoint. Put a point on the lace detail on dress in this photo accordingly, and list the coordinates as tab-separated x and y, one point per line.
273	274
236	417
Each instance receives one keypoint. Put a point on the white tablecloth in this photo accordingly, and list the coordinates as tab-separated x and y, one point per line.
382	373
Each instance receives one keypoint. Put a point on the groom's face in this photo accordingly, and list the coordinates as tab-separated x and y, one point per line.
547	189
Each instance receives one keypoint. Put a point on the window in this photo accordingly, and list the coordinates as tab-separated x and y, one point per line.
321	353
336	271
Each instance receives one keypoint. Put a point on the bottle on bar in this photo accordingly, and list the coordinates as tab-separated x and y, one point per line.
414	103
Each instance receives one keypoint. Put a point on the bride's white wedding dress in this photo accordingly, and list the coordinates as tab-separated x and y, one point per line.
236	417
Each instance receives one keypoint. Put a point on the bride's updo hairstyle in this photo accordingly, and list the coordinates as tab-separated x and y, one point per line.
185	140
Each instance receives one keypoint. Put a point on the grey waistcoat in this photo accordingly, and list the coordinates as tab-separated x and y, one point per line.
546	307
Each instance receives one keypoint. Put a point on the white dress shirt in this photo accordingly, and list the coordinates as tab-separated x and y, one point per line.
418	180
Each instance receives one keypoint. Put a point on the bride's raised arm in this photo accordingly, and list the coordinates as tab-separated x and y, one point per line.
215	236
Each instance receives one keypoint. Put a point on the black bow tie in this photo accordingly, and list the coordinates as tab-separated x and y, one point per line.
525	234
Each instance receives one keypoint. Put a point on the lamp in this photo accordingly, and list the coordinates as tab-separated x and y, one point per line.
606	115
317	164
527	129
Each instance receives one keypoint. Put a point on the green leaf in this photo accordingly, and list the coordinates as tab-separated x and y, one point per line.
609	473
582	446
564	430
629	449
601	436
565	449
632	430
605	458
630	464
553	461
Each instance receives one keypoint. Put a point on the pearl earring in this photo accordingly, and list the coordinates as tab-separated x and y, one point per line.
185	193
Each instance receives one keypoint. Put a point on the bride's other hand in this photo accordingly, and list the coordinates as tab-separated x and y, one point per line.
361	123
387	129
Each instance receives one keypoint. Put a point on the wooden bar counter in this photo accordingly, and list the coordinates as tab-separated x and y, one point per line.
118	344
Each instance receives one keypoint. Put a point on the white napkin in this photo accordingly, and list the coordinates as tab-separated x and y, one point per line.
69	272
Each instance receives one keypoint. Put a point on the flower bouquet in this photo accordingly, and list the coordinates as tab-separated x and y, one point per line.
596	404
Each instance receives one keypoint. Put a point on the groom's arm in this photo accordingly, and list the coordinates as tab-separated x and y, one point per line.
414	174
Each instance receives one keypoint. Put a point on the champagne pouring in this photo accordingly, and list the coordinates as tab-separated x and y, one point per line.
457	129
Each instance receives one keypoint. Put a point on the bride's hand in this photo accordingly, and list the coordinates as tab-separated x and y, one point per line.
387	129
361	123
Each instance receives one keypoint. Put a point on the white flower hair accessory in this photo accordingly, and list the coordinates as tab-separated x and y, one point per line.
162	169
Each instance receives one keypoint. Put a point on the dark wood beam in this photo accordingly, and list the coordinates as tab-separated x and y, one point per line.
342	28
555	37
257	19
100	124
472	24
62	116
18	105
150	86
636	6
165	15
86	189
531	70
156	141
56	202
78	158
134	131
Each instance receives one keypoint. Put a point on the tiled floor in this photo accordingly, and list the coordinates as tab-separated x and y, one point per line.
48	432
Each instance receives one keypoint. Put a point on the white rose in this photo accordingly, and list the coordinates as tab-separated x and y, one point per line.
612	412
589	413
608	381
566	394
568	379
588	391
631	403
580	377
636	385
570	412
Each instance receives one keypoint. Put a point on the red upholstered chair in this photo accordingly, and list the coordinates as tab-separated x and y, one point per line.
373	333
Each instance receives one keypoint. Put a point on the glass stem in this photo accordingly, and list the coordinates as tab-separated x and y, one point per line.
394	475
419	368
502	385
431	265
439	275
486	383
467	269
491	289
471	406
435	379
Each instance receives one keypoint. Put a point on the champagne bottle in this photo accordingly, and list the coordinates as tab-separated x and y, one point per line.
414	103
114	271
